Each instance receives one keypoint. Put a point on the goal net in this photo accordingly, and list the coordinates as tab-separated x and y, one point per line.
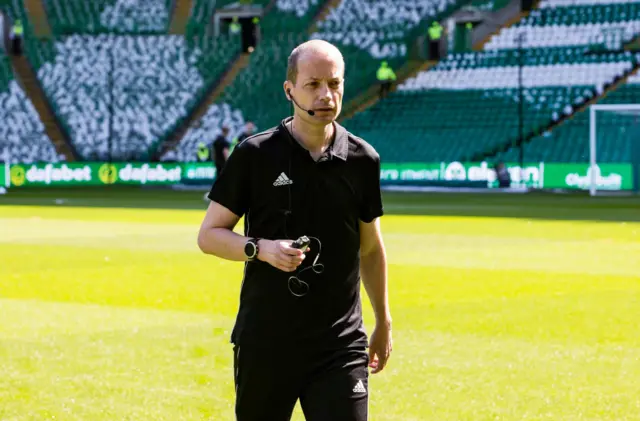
614	148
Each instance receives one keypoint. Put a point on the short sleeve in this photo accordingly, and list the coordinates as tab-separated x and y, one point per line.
371	206
232	187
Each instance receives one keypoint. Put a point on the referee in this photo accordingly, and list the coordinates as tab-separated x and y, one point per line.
299	332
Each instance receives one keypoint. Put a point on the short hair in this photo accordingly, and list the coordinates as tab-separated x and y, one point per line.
292	62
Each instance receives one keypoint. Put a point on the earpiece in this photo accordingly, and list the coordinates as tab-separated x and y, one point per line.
291	98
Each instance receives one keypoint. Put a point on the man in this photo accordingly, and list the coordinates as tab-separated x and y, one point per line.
249	130
221	150
503	176
17	31
202	152
386	76
299	332
435	34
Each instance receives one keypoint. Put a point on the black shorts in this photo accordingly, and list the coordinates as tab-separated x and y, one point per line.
331	385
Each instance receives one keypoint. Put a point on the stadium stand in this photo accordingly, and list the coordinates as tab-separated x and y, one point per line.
119	84
120	66
382	27
154	81
202	12
206	130
469	103
267	68
21	132
366	33
108	16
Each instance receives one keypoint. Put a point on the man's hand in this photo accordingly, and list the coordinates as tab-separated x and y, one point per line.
280	254
380	346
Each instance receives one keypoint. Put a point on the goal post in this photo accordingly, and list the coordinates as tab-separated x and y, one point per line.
634	159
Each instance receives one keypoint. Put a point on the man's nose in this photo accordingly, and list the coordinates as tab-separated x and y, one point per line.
325	93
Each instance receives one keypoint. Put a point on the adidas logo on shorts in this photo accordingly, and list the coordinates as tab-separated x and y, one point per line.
359	388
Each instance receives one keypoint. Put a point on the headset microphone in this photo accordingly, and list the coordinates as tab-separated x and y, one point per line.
310	112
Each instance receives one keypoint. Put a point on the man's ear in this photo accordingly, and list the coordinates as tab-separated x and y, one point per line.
287	90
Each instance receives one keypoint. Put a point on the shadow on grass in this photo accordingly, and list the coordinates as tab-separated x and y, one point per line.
578	206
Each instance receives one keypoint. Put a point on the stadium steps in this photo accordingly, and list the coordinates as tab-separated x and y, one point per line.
323	13
615	84
180	17
633	45
371	95
479	46
241	61
38	17
32	88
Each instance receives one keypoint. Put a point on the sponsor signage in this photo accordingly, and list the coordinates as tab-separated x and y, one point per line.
535	175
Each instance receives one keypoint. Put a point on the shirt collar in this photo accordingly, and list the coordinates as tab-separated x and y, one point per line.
338	148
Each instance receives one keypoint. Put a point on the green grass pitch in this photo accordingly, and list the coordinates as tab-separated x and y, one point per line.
505	308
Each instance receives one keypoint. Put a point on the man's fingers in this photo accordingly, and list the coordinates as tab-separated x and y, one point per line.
291	251
378	360
382	362
293	260
285	265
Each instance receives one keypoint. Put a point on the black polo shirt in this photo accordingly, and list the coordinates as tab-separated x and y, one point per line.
283	194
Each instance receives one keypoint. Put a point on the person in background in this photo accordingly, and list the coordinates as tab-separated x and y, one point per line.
249	130
17	31
202	152
503	176
386	76
435	34
221	148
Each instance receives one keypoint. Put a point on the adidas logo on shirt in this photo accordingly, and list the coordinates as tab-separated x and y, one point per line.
359	388
282	180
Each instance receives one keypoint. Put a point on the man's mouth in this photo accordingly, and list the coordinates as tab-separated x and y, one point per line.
324	109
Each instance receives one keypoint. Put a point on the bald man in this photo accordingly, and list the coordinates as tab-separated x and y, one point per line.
299	332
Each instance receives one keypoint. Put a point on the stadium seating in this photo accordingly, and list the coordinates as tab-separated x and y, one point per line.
108	16
366	32
150	83
256	93
489	5
570	141
470	103
379	27
202	13
369	32
21	132
206	130
578	25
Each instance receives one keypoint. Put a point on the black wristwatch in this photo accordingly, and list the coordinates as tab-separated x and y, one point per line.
251	249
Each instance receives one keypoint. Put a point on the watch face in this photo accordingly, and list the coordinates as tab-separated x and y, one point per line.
250	249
